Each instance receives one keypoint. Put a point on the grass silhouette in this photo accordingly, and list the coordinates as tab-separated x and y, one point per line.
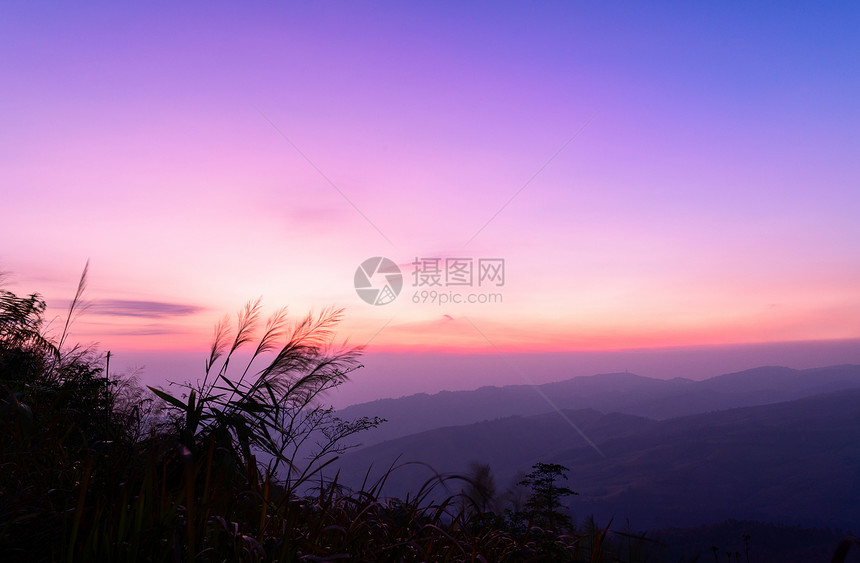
230	467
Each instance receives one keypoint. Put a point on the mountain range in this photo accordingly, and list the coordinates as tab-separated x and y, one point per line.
613	392
770	444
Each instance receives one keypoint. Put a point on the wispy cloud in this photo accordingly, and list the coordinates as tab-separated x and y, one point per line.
141	309
152	330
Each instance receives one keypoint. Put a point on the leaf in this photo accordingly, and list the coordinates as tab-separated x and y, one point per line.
249	406
163	395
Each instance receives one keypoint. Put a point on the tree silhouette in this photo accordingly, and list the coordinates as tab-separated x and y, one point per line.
544	507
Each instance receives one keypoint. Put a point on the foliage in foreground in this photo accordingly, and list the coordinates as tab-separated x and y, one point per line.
96	468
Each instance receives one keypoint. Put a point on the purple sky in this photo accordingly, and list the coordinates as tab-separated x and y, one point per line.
203	155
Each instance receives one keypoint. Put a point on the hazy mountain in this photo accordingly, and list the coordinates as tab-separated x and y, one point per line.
758	540
794	462
616	392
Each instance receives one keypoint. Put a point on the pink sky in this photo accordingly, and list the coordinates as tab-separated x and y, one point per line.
711	199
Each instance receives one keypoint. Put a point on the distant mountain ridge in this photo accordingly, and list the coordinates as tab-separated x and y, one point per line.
794	462
616	392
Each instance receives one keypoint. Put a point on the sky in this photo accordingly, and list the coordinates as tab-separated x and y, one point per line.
654	176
